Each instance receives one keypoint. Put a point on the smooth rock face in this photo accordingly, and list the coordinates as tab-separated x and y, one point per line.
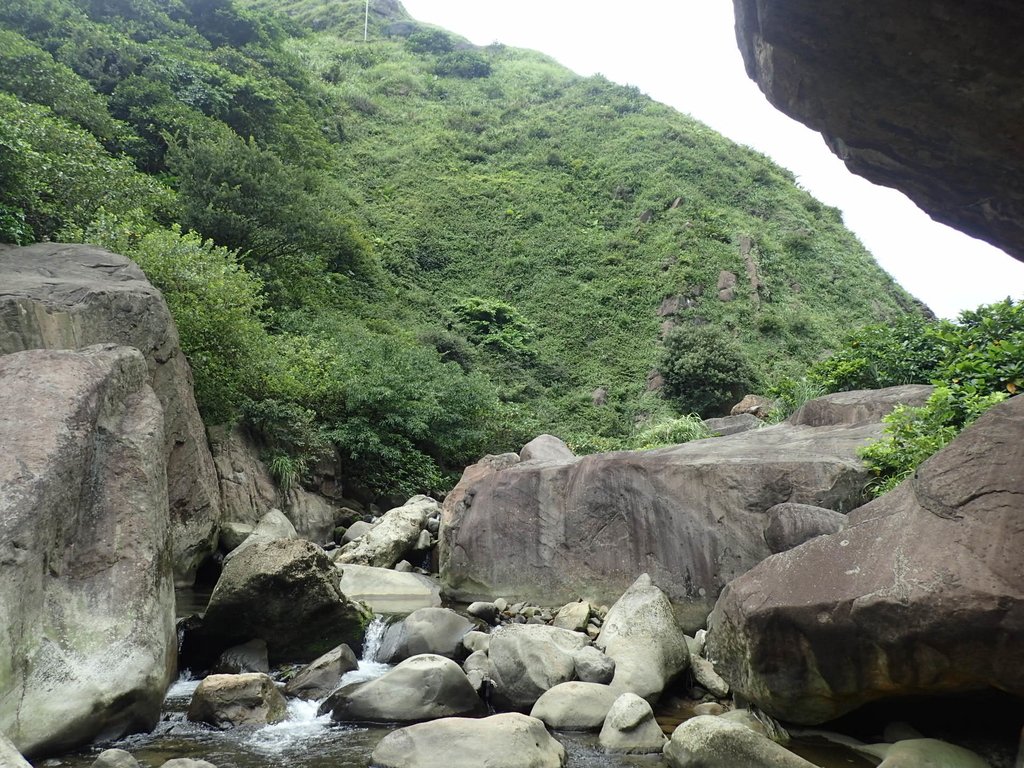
528	659
272	526
646	642
9	756
321	676
60	296
546	448
394	534
572	616
458	742
426	630
929	100
733	425
922	594
225	701
87	637
630	727
424	687
690	515
593	666
108	758
388	591
790	525
711	742
285	592
574	706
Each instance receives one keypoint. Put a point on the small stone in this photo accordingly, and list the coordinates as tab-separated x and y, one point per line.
501	603
424	542
535	620
517	608
593	632
709	708
403	566
475	640
115	758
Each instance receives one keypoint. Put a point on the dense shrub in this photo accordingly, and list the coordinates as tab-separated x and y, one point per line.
704	370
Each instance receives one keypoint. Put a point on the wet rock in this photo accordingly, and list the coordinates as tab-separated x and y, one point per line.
394	534
226	701
528	659
630	727
426	630
321	676
108	758
285	592
424	687
88	640
574	706
713	742
389	591
457	742
790	525
61	296
923	593
484	611
643	637
248	657
185	762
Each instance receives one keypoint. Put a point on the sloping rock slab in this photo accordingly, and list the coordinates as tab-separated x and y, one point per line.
922	594
59	296
87	638
388	591
690	515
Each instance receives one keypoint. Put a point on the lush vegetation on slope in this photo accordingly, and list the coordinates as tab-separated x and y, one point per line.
974	363
407	252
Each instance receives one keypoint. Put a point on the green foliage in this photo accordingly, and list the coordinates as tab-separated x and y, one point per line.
704	370
670	432
985	349
789	394
495	324
901	352
465	64
914	434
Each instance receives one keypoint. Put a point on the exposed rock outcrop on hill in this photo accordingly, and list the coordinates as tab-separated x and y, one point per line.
59	296
922	594
87	640
690	515
926	98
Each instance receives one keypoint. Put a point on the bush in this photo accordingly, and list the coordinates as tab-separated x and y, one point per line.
704	370
464	64
671	432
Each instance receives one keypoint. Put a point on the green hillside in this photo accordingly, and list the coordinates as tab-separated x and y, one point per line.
418	251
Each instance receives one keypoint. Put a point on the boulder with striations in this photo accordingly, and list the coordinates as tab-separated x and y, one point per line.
922	594
60	296
691	515
87	639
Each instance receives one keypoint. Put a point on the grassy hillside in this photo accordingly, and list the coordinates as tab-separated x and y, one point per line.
423	250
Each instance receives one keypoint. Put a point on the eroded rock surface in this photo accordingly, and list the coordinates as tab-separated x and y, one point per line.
922	594
59	296
87	640
928	99
690	515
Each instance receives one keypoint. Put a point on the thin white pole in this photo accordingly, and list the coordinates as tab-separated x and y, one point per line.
366	22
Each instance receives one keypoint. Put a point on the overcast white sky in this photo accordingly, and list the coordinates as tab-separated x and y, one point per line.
683	53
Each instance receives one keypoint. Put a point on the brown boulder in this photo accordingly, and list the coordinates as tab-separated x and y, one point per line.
225	701
59	296
922	594
690	515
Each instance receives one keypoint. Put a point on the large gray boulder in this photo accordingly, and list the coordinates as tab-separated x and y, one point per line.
388	591
284	591
546	448
528	659
711	742
225	701
459	742
60	296
424	687
922	594
691	515
394	534
641	634
790	525
273	525
574	706
425	630
321	676
87	638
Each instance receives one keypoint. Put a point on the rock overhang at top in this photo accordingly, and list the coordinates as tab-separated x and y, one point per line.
927	98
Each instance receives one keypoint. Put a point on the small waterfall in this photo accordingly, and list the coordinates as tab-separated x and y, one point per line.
374	638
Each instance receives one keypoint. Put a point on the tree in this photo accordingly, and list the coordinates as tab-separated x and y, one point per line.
704	370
